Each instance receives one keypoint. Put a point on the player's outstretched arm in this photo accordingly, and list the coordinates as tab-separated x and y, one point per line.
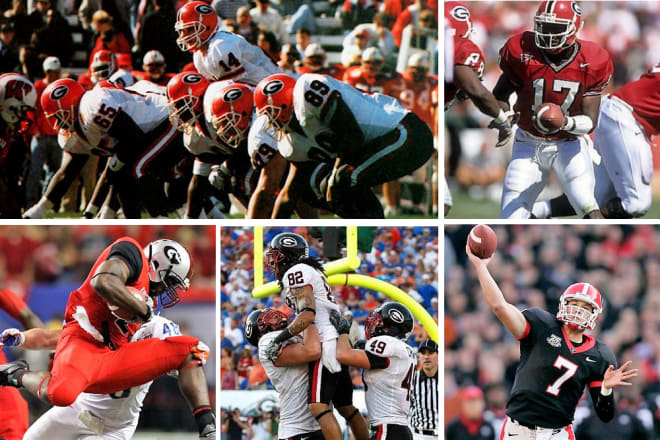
508	314
347	355
308	351
109	281
33	339
603	397
468	81
306	313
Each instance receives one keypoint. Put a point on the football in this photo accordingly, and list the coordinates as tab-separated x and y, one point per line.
126	315
482	241
549	117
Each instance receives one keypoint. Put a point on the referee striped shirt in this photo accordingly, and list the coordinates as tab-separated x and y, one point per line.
424	404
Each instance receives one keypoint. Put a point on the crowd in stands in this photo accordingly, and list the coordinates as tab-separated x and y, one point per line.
45	40
533	265
629	31
405	257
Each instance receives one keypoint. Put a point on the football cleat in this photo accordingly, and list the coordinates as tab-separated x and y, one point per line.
11	373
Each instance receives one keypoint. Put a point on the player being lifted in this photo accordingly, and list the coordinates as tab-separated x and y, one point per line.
94	353
557	360
551	65
289	372
219	55
389	364
306	291
370	139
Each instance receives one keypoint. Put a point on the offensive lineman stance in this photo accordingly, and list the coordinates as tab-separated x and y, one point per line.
557	360
306	291
94	353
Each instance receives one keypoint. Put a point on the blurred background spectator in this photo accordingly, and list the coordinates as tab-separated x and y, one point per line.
533	265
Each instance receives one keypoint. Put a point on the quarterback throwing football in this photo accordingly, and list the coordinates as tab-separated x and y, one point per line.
557	360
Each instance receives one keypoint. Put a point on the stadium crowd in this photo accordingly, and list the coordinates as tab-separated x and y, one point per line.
533	265
405	257
627	30
46	40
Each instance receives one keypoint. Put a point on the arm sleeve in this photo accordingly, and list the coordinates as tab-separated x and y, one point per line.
131	255
11	303
605	406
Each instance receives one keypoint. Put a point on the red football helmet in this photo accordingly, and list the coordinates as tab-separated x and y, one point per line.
556	25
274	98
18	99
60	101
459	19
231	112
196	23
578	317
104	64
184	94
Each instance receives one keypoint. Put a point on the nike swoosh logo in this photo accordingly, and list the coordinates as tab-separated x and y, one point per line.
511	435
584	65
590	360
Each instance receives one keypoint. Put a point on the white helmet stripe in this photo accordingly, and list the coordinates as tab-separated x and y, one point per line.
586	288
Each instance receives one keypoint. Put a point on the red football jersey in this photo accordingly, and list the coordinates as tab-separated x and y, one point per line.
96	308
420	97
466	53
389	84
643	96
586	73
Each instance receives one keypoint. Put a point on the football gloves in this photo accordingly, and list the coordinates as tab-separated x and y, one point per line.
12	337
273	350
503	123
11	373
342	324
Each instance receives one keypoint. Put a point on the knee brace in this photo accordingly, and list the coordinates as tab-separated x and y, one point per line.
327	411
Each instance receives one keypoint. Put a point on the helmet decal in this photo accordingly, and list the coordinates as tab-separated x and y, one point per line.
204	9
288	241
248	329
232	95
59	92
396	316
191	78
273	87
460	13
576	8
172	254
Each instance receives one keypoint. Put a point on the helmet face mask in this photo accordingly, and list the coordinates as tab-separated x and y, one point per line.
577	316
18	100
60	101
260	322
273	97
231	113
196	24
170	269
556	25
391	319
184	100
182	113
284	251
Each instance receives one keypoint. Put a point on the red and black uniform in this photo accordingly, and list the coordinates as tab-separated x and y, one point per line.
643	96
420	97
389	83
585	71
14	409
93	353
466	53
553	373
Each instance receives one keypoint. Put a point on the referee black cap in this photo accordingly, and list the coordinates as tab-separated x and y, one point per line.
429	345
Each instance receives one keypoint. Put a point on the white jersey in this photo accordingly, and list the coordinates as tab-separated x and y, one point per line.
145	104
314	106
230	56
305	275
388	389
262	141
113	416
291	383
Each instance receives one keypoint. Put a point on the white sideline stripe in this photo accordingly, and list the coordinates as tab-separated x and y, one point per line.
475	237
155	150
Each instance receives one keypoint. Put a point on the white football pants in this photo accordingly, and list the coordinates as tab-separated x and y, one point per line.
512	430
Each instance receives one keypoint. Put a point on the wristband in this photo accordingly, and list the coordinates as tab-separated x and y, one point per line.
501	117
605	391
286	334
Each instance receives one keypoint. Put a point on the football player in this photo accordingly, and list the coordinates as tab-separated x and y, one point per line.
370	139
16	416
114	416
219	55
389	364
288	372
130	125
469	63
629	118
306	291
94	353
314	62
557	360
18	99
371	77
551	65
154	67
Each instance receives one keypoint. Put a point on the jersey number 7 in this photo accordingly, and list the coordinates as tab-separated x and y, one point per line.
571	369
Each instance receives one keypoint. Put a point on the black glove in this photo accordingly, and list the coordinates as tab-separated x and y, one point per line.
342	325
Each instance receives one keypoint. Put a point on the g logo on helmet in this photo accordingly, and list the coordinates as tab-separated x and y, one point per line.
191	78
172	255
59	92
576	8
248	330
396	316
460	13
273	87
232	95
204	9
288	242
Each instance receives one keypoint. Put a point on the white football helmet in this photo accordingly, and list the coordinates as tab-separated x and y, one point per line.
18	99
170	266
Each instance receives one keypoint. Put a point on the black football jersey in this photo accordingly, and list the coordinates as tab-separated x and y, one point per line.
553	372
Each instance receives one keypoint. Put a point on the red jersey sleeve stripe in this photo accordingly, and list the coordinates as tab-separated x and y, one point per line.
596	383
526	332
11	303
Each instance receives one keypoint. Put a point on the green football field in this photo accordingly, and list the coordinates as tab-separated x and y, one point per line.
466	207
